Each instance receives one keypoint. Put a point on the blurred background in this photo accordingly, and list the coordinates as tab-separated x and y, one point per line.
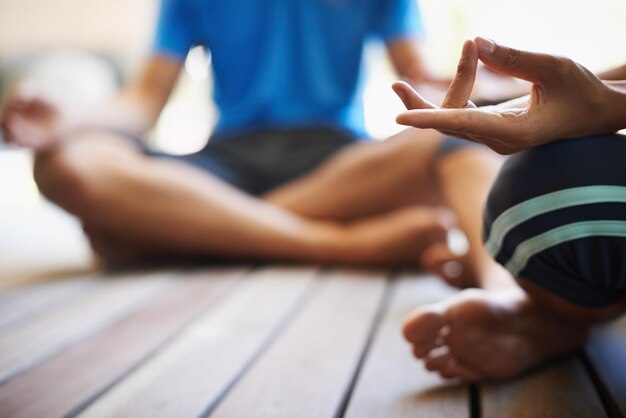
82	50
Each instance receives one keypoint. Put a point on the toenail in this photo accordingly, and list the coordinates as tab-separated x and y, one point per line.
452	269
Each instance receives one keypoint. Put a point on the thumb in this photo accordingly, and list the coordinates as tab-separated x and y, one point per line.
410	98
530	66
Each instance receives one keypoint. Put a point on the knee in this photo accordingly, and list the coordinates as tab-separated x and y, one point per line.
68	176
403	154
360	160
556	215
63	176
558	166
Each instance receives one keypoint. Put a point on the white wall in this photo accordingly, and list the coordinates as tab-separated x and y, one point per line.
592	32
113	26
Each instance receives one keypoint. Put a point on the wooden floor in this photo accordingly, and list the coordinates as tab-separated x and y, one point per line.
261	342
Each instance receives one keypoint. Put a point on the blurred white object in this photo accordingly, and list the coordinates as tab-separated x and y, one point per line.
187	120
68	77
198	63
457	242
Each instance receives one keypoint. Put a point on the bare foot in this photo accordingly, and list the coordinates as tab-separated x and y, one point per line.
479	335
397	238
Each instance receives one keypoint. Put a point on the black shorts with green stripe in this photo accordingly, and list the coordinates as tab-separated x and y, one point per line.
556	216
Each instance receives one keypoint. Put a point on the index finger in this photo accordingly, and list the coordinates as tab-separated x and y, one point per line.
461	87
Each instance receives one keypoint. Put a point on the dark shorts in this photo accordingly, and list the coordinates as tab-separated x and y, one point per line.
556	216
260	161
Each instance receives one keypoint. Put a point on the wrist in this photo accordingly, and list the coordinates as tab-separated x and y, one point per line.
69	122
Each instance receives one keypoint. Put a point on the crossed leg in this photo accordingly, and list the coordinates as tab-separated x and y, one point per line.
367	179
407	170
162	207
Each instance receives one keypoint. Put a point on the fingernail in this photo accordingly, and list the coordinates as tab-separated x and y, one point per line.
485	46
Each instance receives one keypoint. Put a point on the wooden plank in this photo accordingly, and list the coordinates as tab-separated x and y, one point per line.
91	366
194	371
46	335
18	304
393	383
308	370
606	352
562	389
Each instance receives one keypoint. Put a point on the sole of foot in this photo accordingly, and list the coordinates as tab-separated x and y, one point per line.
478	335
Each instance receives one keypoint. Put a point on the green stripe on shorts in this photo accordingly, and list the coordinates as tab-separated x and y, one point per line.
559	235
536	206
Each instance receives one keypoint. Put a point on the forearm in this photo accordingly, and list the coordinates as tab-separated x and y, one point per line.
125	113
405	55
414	71
139	104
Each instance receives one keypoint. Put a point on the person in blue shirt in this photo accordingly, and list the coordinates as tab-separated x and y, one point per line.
289	173
290	63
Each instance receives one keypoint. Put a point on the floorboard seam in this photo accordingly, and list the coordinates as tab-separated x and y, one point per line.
280	327
610	407
474	401
390	286
220	297
91	282
86	335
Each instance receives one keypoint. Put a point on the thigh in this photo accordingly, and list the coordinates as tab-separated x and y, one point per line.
367	179
556	216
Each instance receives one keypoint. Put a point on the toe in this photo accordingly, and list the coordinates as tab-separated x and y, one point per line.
464	371
437	358
422	329
456	369
448	370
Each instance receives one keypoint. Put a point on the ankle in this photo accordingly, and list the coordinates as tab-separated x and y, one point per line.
492	276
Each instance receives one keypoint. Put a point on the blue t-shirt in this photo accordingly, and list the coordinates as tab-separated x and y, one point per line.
284	62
